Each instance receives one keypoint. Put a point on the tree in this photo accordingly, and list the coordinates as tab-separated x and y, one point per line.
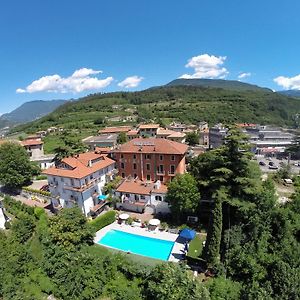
173	282
71	146
122	138
213	241
23	227
192	138
70	230
15	166
183	195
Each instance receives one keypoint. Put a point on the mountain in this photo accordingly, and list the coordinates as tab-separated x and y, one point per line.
218	83
190	104
29	111
291	93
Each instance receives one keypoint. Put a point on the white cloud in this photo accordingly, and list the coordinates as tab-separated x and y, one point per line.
130	82
79	81
206	66
287	83
244	75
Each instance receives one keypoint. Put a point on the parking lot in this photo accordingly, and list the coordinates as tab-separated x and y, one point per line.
276	162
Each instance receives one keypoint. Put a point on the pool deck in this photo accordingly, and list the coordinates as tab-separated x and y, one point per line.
177	250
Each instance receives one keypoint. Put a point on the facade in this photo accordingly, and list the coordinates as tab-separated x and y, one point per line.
35	150
108	140
79	180
268	140
150	159
137	195
217	134
148	130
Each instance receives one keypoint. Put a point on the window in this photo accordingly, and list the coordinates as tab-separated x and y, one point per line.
123	175
160	169
161	178
134	175
122	156
62	179
148	177
127	196
158	198
142	197
134	166
172	157
148	167
147	156
122	166
134	156
161	157
136	198
172	169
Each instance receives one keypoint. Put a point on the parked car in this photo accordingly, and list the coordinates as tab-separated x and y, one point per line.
271	163
273	167
262	163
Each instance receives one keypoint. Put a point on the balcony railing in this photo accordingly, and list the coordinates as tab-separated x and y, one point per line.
160	172
83	187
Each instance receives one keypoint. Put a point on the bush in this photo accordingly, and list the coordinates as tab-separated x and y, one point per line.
38	212
41	177
103	220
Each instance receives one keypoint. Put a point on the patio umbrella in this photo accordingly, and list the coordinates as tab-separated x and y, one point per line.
154	222
187	234
123	216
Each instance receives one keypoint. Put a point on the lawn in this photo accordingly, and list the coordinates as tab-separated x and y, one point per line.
196	246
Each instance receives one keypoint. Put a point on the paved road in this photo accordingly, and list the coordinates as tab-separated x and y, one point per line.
277	162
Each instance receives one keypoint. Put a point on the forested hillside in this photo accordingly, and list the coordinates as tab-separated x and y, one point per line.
189	104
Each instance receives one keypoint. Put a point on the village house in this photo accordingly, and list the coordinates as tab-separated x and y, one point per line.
136	195
34	147
150	159
116	130
79	180
108	140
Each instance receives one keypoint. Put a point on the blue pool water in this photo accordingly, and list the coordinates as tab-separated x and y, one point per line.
137	244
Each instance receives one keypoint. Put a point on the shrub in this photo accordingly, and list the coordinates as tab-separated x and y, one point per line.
103	220
30	190
41	177
129	221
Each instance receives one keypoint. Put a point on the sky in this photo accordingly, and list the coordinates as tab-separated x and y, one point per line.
67	49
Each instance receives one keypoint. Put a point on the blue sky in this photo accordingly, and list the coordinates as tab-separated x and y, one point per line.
156	41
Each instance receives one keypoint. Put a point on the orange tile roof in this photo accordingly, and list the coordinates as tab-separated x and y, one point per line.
152	145
31	142
162	131
132	186
115	129
148	126
132	132
80	165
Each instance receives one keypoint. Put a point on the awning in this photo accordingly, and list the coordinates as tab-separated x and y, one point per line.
102	197
154	222
123	216
187	234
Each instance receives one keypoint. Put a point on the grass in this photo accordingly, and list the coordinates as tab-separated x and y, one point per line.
196	246
142	260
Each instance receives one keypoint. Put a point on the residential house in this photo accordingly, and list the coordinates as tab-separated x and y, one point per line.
150	159
148	130
35	150
108	140
79	180
136	195
116	130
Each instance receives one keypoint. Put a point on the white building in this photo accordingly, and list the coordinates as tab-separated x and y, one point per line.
136	195
35	150
79	180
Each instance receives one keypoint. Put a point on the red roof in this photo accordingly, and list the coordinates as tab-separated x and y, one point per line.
79	166
139	187
115	129
31	142
152	145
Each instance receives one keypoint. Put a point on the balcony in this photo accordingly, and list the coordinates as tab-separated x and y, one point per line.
83	187
160	172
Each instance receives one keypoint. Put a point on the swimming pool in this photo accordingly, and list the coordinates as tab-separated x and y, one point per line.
137	244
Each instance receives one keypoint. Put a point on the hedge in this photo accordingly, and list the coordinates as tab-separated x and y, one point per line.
103	220
30	190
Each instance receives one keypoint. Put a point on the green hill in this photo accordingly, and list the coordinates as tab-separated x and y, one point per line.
218	83
189	104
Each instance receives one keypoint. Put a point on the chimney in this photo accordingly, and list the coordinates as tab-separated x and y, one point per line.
90	163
